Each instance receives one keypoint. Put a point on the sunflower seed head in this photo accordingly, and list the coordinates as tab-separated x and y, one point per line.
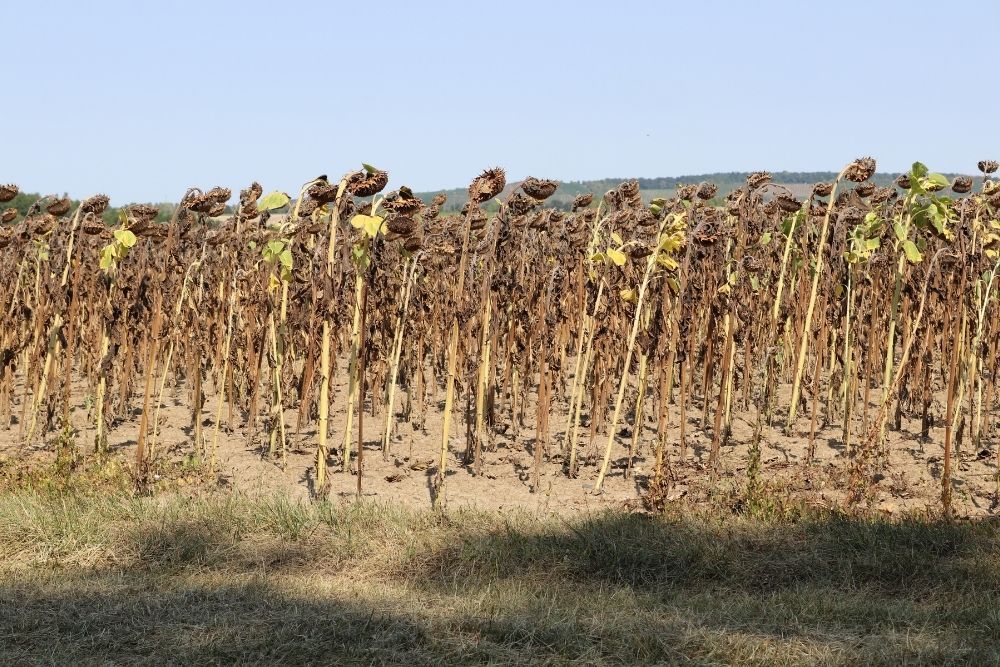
788	203
96	204
59	206
539	189
367	183
961	184
758	179
707	191
487	185
822	189
985	166
582	201
860	170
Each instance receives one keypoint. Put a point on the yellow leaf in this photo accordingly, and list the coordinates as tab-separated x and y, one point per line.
371	224
666	261
617	256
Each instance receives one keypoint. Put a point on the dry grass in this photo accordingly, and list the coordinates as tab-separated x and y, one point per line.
114	580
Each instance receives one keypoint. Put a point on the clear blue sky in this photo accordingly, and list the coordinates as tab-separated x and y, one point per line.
143	99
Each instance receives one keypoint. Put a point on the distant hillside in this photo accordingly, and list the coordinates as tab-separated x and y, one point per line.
664	186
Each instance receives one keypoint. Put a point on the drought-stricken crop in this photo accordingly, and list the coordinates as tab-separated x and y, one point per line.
622	329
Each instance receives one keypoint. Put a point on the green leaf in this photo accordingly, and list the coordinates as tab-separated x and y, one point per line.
370	169
938	179
272	250
125	237
273	201
765	239
918	170
616	256
912	254
360	257
872	244
899	231
616	238
286	258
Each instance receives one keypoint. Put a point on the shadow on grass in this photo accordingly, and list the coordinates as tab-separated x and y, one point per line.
331	586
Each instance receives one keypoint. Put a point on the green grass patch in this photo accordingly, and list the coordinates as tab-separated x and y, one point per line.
117	579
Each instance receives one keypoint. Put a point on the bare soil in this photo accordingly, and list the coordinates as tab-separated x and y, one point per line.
910	483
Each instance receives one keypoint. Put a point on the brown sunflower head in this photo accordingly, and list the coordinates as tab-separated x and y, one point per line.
487	185
413	243
645	219
860	170
985	166
882	195
59	206
903	182
96	204
92	226
477	220
218	194
308	206
367	183
402	202
687	192
822	189
323	192
8	192
865	189
539	189
639	251
8	216
758	179
707	191
629	195
961	184
249	210
788	203
582	201
851	215
402	225
519	204
208	202
252	193
143	213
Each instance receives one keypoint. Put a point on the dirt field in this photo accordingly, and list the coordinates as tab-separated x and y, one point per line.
911	484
